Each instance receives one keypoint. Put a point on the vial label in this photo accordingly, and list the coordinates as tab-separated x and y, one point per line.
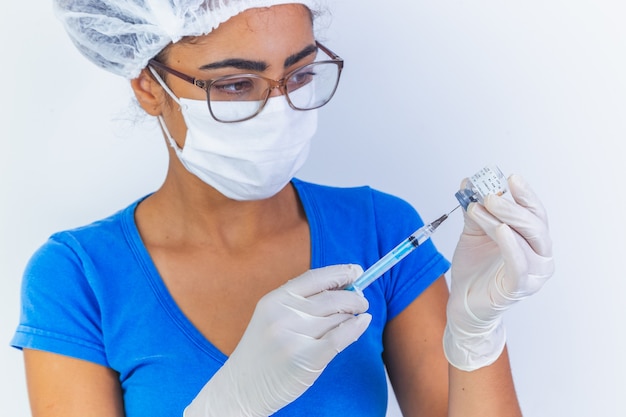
489	180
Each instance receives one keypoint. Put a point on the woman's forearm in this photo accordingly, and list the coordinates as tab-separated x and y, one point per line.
485	392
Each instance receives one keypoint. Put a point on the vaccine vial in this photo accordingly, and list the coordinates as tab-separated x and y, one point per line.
489	180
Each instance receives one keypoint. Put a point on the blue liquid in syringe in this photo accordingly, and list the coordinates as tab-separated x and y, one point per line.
394	256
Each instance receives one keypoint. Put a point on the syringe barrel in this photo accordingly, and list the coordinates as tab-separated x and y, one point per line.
394	256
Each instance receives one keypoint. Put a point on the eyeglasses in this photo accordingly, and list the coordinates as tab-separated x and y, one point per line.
306	88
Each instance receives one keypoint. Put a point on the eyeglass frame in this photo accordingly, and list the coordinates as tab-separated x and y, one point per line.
280	84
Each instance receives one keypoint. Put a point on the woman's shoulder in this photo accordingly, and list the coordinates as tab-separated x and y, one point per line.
343	193
82	245
355	198
100	230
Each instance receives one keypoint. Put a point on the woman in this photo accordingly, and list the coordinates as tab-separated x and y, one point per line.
221	294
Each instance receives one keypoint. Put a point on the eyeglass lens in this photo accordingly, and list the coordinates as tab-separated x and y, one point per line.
307	88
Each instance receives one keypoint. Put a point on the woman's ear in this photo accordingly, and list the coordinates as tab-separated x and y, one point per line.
148	92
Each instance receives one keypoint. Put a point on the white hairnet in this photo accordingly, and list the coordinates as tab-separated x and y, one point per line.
121	36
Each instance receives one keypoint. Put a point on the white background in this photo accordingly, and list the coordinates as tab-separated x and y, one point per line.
431	92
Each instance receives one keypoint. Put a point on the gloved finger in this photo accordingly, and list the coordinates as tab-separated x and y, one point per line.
470	227
327	303
526	271
524	195
487	221
322	312
524	221
317	280
346	333
483	219
317	327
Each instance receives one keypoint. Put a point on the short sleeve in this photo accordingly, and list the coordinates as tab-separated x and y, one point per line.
396	220
59	309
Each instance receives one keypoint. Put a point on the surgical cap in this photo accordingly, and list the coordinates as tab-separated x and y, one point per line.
121	36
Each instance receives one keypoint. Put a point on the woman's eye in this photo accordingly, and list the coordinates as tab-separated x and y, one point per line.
301	78
237	86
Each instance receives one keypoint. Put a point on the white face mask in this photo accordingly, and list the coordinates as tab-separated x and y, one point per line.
249	160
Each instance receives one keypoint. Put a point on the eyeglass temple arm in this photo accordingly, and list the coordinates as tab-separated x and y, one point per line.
180	75
328	51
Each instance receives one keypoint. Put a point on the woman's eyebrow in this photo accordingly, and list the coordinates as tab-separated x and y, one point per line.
259	66
292	59
242	64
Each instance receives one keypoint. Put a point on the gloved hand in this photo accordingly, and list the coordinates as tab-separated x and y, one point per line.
295	331
504	255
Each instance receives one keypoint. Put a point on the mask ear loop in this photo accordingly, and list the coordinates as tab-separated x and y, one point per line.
166	131
165	87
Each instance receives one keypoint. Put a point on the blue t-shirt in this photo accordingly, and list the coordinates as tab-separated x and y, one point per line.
93	293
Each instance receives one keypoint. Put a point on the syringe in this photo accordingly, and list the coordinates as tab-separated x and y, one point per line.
398	253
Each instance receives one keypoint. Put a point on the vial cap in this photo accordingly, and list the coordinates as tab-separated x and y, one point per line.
465	197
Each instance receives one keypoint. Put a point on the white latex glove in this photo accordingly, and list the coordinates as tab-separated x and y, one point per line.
295	331
504	255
